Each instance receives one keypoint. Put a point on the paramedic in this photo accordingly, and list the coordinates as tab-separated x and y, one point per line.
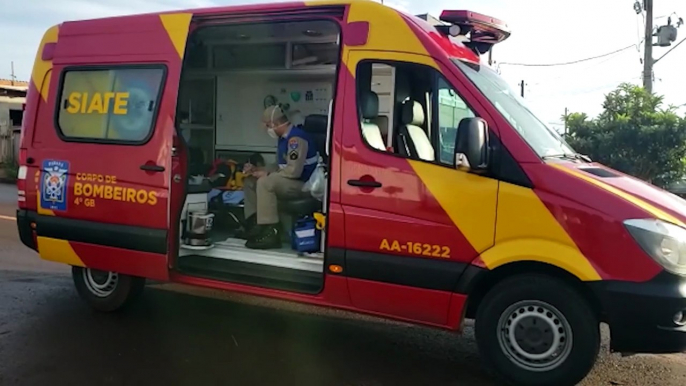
297	158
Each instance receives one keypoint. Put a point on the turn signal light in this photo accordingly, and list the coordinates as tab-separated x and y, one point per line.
335	268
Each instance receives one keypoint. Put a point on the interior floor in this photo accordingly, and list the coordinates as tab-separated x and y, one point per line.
234	249
259	275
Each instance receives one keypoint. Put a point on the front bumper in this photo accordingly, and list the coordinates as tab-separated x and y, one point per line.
641	315
24	220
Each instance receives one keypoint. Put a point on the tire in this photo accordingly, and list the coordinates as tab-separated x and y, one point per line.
106	291
515	334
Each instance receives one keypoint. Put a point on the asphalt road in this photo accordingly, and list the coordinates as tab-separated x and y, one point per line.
184	336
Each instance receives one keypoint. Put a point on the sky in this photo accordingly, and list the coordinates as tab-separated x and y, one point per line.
543	31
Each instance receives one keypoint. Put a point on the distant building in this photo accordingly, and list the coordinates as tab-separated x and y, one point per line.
12	100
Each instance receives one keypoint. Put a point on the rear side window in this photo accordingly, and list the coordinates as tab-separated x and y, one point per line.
109	105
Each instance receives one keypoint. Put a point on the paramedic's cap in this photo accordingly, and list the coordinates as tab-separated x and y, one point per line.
274	114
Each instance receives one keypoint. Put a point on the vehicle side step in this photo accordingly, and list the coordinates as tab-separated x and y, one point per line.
251	274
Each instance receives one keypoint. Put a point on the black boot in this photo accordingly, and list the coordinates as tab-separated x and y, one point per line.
249	228
268	237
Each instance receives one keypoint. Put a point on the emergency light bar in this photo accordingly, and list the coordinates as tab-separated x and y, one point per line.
484	31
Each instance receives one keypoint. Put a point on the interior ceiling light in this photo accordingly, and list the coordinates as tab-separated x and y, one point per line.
312	33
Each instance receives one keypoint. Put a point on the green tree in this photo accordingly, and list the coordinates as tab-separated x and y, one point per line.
634	135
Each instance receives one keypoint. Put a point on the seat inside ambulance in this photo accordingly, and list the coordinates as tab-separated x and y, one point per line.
412	136
370	113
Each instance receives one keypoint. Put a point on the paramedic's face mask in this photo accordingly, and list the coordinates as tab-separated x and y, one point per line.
274	129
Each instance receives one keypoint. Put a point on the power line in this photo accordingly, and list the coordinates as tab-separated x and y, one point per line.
670	50
577	71
567	63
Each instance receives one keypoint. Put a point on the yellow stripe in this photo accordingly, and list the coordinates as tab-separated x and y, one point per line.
468	199
387	29
658	213
42	68
389	35
177	25
41	210
527	231
59	251
356	56
8	218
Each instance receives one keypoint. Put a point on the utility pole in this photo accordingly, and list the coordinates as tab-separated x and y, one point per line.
12	76
522	84
490	57
648	58
566	115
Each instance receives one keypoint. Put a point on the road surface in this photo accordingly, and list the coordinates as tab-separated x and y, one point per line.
184	336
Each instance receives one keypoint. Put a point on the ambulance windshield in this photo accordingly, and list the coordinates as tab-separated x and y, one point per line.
544	141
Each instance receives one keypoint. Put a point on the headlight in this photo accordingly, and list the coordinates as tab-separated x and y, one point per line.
663	241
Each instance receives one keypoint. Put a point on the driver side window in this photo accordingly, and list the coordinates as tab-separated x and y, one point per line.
451	110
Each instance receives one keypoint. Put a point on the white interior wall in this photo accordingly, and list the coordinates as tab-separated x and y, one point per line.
241	102
383	81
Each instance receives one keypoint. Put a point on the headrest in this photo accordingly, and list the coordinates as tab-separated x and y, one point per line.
412	113
370	105
316	123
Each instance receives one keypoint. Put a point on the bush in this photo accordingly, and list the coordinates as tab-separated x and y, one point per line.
634	135
10	169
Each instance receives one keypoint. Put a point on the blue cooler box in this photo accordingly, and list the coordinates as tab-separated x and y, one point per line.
306	236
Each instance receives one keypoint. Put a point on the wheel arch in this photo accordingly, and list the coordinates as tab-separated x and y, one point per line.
477	283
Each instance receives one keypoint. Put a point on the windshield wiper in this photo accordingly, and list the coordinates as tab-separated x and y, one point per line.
571	156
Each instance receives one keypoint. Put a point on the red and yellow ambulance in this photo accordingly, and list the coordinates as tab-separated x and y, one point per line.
446	198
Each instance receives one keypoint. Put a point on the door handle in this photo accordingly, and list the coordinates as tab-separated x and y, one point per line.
152	168
364	184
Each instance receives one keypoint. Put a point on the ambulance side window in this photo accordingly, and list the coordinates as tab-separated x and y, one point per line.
409	110
109	104
451	110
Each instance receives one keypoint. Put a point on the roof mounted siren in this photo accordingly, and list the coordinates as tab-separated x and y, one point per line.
480	32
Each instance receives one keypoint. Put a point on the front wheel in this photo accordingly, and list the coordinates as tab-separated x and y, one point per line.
106	291
537	330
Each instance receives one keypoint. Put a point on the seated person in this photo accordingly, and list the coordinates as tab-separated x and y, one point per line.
297	159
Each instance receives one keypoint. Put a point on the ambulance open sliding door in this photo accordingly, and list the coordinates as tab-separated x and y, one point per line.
104	180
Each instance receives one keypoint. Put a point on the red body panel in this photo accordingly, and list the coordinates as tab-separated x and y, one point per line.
593	217
428	306
670	203
144	264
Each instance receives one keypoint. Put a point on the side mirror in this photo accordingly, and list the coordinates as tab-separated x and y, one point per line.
472	143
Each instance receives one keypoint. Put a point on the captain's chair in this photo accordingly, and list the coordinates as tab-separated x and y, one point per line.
412	138
370	112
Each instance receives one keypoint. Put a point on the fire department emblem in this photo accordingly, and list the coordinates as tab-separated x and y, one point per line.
54	185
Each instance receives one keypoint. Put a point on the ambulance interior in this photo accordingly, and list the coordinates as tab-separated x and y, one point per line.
231	74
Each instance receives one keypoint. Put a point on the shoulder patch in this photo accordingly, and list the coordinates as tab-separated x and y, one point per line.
293	143
293	155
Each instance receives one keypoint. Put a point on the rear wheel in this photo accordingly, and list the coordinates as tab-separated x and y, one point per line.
106	291
537	330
